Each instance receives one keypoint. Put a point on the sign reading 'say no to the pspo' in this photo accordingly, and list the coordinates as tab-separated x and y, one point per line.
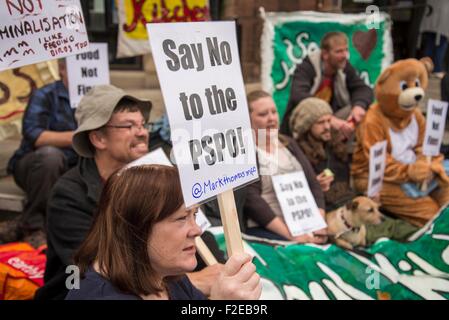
199	72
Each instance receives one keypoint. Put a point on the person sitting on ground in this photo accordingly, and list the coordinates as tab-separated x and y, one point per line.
262	207
326	151
113	131
45	153
328	75
324	148
142	243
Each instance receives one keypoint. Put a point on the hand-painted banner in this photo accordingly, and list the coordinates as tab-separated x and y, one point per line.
135	14
33	31
388	270
16	86
289	37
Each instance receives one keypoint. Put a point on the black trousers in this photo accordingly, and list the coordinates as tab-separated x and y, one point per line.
36	173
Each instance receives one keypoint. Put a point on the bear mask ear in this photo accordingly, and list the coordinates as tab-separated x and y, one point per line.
384	76
428	64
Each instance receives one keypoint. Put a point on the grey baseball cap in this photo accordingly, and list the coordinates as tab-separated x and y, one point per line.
94	111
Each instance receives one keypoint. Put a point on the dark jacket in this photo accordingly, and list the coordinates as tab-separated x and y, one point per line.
94	287
70	212
303	82
256	207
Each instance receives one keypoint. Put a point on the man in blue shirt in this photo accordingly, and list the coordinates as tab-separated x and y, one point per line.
44	155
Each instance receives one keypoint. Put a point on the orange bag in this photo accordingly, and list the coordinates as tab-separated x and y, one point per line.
21	270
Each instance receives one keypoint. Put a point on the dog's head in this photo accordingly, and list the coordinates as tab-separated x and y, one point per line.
364	211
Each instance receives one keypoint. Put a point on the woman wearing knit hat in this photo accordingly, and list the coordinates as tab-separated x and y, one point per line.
276	154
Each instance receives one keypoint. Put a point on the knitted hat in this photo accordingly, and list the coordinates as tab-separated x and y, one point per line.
306	113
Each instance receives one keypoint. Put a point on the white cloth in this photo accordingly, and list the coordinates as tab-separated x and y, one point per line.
404	142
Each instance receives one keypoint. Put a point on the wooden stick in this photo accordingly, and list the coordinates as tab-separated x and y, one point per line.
204	252
231	226
425	183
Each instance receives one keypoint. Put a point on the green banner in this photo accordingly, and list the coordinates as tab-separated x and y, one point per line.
418	269
289	37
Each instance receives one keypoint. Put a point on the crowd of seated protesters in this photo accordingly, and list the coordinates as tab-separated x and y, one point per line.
327	102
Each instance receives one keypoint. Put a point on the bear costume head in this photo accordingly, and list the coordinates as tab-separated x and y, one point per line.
401	87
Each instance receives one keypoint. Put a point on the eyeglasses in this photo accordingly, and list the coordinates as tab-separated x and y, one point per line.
132	126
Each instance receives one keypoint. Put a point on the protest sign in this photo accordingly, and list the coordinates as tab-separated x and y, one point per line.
134	15
301	214
88	69
436	120
32	31
377	158
200	76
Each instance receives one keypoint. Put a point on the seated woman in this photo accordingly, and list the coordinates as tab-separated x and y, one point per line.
143	242
276	155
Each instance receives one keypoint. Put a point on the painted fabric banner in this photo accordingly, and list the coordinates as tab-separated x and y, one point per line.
135	14
287	38
16	86
387	270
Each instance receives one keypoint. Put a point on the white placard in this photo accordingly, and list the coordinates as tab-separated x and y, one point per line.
436	120
32	31
154	157
87	69
377	159
158	157
199	72
301	214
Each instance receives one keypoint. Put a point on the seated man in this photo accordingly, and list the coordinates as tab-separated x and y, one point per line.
44	155
262	207
113	131
328	75
324	148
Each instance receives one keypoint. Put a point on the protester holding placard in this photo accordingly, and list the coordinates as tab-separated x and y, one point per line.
113	131
328	75
44	155
396	118
142	243
324	148
276	155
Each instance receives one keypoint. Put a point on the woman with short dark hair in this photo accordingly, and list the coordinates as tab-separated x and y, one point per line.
143	242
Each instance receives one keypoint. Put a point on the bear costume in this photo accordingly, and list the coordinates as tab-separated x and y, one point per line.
396	117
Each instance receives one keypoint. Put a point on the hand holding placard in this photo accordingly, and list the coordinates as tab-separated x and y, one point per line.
220	156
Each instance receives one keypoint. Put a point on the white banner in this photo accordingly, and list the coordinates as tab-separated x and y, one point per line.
32	31
88	69
377	158
200	76
301	213
436	120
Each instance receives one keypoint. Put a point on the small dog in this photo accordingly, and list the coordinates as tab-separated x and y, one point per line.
347	225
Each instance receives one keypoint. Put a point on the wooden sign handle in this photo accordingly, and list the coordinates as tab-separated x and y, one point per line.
231	226
424	184
204	252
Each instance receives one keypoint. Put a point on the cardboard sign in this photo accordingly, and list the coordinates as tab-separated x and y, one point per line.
436	120
88	69
301	214
199	72
158	157
377	159
32	31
